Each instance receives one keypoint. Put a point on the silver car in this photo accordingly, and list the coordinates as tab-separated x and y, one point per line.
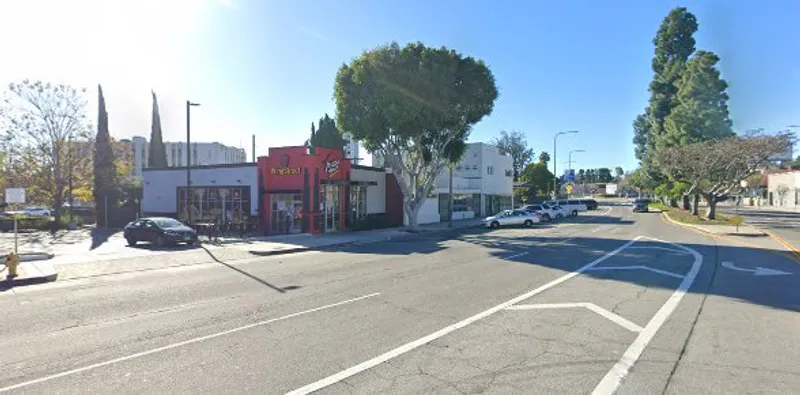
512	218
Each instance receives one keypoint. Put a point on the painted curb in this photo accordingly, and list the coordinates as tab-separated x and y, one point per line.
783	242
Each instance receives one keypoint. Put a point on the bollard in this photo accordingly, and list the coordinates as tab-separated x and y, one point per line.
12	262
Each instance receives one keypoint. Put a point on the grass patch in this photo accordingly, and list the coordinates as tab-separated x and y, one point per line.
655	206
686	217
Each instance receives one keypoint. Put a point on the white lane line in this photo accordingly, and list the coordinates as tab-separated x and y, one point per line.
370	363
516	255
659	248
616	318
614	377
180	344
637	267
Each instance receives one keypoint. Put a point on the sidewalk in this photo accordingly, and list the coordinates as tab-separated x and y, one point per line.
231	250
32	272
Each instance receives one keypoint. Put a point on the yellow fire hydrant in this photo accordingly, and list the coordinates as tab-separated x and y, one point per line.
12	262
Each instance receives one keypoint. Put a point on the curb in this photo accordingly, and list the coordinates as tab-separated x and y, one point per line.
14	282
35	256
794	250
697	228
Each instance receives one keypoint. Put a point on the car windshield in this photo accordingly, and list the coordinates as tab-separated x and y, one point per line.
166	223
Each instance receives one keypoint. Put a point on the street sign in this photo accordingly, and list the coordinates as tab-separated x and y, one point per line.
15	195
569	189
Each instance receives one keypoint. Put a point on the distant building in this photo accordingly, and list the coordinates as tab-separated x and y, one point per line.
783	189
203	154
351	150
482	185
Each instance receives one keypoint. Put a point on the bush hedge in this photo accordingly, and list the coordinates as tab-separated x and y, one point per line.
26	223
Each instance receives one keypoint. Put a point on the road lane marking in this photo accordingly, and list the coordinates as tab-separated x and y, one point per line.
394	353
659	248
637	267
516	255
758	271
617	319
614	377
181	344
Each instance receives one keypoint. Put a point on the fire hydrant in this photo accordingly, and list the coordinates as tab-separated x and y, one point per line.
12	262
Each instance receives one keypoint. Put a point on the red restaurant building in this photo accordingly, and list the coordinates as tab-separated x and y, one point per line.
292	190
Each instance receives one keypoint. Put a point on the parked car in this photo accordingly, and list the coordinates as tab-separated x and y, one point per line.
159	231
641	206
511	218
591	204
36	212
573	207
558	211
545	212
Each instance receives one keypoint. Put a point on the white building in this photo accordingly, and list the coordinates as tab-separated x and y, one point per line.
783	189
203	154
482	185
351	150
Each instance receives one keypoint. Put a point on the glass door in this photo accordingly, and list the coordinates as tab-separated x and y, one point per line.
330	204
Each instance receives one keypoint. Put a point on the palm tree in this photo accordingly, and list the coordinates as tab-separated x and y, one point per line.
544	157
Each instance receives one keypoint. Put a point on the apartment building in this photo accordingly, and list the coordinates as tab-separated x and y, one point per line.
203	154
482	185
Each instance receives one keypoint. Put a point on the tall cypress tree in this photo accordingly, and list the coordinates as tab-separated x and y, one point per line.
158	152
104	167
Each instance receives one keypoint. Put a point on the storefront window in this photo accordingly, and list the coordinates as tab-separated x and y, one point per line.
287	213
496	204
229	205
358	202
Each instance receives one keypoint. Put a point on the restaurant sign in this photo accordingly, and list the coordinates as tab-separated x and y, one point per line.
284	169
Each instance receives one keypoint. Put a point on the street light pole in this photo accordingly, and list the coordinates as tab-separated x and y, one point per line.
189	159
570	156
555	161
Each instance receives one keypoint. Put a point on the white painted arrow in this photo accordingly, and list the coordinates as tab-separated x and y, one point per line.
758	271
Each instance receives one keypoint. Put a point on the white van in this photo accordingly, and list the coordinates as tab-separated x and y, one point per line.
572	207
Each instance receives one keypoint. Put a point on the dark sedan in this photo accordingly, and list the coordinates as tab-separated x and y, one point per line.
159	231
591	204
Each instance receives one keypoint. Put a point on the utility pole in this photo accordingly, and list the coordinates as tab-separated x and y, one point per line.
450	199
555	162
189	159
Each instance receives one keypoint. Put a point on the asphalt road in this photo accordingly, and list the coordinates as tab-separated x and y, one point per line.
609	301
784	224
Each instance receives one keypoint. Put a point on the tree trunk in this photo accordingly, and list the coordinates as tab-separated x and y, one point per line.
686	204
673	202
696	205
712	207
412	211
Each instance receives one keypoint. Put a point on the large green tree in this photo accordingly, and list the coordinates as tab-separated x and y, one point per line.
414	106
104	166
157	155
327	135
46	133
515	145
702	110
537	178
715	168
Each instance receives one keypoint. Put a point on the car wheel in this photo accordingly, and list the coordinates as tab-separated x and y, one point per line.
574	213
528	223
190	242
131	241
495	225
547	218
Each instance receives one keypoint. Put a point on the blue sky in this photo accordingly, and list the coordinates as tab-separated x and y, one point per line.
267	67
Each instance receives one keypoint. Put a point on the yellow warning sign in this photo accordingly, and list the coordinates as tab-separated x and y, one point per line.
569	189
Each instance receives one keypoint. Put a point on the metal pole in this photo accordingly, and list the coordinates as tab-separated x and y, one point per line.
254	148
450	200
555	171
105	209
188	163
15	235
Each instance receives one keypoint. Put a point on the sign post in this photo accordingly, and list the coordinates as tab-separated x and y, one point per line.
15	196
